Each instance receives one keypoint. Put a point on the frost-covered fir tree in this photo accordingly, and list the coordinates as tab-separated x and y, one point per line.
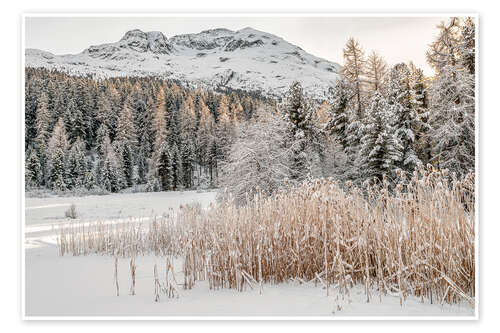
419	104
380	151
338	108
126	140
125	159
298	114
404	120
110	173
452	106
143	127
77	165
188	159
76	123
91	174
104	111
211	159
142	160
467	45
164	167
102	134
177	172
33	173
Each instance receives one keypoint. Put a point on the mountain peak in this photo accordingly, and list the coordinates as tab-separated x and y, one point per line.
246	59
135	40
134	34
249	29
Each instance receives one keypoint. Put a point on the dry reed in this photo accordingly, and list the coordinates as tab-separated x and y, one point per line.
414	239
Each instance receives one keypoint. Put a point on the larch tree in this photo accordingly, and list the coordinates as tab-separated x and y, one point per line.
42	137
57	153
376	70
205	135
224	131
354	70
104	111
125	131
160	121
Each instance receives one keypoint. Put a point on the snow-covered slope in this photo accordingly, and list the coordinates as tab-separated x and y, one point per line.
246	59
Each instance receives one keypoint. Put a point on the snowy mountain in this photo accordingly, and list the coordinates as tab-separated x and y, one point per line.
246	59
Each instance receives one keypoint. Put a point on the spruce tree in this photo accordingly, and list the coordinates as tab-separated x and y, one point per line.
91	174
338	103
405	120
33	174
452	107
110	172
467	45
164	167
298	113
126	161
142	161
188	158
380	150
77	166
177	171
420	106
102	134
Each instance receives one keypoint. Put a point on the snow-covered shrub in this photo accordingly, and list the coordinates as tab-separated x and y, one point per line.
258	161
71	212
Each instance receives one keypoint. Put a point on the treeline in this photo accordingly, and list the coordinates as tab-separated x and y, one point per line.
115	133
377	122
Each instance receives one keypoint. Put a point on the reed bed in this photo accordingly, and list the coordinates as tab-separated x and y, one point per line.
415	238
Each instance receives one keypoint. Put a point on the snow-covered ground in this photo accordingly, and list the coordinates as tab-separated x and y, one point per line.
42	211
84	285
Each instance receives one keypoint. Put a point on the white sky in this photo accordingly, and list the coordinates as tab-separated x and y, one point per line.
397	39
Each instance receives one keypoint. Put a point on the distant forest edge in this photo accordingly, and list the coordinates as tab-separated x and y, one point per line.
103	133
107	135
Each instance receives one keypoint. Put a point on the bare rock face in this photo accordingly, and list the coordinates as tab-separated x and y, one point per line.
246	59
